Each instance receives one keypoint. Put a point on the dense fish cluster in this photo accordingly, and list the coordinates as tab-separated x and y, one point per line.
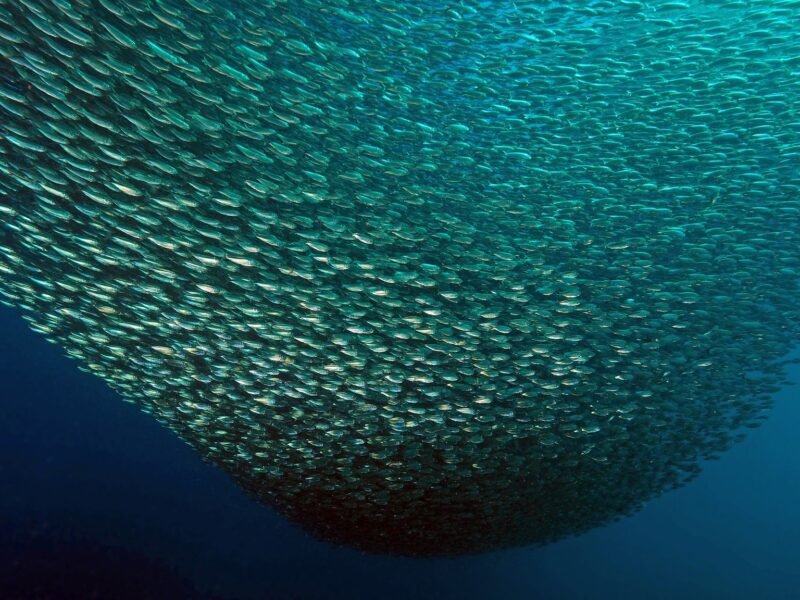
428	277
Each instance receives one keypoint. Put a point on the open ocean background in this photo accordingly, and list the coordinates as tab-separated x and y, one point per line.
97	500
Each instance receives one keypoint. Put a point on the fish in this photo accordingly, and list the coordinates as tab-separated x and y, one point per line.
430	279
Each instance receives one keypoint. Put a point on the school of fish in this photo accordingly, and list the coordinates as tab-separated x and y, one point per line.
430	278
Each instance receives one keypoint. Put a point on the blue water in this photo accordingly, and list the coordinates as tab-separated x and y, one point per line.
95	493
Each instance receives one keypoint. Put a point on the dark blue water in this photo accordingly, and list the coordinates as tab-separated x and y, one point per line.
98	500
